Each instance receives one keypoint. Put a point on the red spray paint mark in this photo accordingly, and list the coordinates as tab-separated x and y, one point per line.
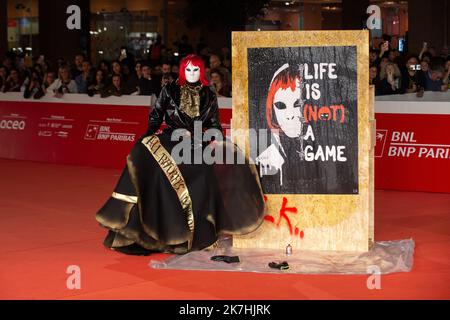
283	215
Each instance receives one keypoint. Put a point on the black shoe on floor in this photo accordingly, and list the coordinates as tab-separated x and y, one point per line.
134	249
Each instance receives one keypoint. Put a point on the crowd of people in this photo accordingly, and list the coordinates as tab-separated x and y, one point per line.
393	73
124	76
390	72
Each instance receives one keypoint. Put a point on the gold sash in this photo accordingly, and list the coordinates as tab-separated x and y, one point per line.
170	168
124	197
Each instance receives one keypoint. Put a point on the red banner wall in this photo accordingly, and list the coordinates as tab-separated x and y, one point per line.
413	152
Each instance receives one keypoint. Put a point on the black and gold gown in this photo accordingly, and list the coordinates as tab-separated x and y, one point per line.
161	206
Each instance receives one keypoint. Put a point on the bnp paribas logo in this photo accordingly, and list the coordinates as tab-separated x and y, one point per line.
381	137
73	21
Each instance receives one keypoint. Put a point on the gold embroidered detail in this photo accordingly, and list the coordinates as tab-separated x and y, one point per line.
170	168
190	100
124	197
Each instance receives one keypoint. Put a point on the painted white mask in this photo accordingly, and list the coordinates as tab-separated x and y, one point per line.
288	111
192	73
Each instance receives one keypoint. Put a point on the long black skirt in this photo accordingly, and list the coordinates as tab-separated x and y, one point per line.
161	206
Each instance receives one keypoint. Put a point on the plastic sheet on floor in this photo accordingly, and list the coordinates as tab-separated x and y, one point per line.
385	257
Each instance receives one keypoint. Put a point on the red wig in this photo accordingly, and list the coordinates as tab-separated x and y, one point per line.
197	62
285	79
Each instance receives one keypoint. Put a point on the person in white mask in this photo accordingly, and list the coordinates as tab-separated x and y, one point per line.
160	205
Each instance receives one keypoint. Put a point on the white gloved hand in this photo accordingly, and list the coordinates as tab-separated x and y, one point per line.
270	162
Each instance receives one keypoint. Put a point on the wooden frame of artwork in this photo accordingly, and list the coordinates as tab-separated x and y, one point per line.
316	199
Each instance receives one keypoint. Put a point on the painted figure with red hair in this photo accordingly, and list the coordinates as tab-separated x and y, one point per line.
161	205
284	114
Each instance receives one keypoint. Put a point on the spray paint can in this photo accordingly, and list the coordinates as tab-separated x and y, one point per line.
288	250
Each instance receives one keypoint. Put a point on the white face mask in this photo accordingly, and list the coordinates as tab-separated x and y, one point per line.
192	73
288	111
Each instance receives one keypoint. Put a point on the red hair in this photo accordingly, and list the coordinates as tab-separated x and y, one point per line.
197	62
283	80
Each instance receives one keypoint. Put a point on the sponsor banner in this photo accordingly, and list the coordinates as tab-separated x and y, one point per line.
413	152
72	133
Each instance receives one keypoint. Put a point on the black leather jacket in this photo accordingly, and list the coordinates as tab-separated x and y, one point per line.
167	108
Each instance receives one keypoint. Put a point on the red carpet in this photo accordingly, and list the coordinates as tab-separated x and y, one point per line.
47	223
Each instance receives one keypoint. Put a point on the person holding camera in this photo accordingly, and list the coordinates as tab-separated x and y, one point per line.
390	79
412	76
34	86
97	85
64	84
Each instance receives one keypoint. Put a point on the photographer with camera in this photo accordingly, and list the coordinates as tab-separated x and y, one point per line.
64	84
412	75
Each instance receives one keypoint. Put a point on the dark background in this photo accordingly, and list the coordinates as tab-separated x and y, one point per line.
314	177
